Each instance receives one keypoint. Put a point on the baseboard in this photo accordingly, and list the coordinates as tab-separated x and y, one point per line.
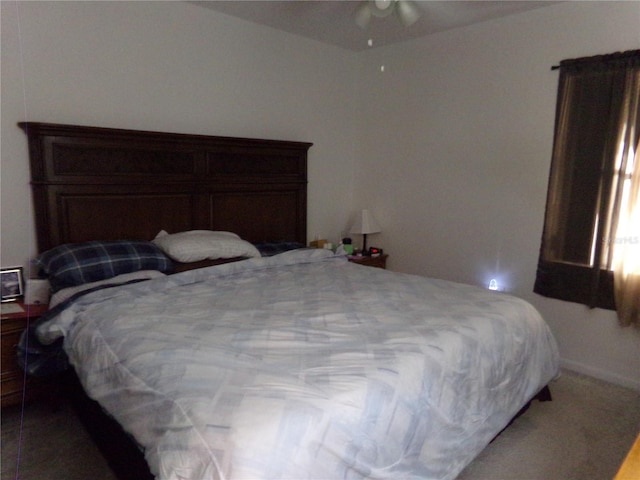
632	383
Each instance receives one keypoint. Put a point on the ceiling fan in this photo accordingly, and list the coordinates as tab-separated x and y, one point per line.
406	10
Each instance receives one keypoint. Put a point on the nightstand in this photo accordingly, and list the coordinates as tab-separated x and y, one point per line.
378	262
12	376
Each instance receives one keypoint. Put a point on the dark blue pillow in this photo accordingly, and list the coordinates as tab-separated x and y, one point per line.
270	249
77	263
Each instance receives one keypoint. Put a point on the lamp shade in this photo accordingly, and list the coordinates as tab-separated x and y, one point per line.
365	223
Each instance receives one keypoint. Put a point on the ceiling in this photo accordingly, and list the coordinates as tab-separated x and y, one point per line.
333	22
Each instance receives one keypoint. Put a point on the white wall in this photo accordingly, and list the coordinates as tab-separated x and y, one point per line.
449	147
455	158
175	67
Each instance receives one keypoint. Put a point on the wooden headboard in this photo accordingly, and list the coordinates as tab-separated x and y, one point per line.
93	183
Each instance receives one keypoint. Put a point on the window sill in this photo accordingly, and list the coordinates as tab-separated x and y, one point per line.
573	283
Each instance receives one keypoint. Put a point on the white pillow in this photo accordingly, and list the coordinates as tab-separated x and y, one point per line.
61	295
196	245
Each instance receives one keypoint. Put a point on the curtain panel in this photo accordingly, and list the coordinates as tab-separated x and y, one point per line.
626	249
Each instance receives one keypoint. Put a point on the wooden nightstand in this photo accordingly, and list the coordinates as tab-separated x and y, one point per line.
378	262
11	375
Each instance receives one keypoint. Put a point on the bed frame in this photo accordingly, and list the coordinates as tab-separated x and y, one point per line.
93	183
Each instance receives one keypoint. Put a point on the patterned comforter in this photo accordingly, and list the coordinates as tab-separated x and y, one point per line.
306	366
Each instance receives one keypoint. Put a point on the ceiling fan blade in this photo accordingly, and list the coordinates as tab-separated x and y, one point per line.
363	15
408	12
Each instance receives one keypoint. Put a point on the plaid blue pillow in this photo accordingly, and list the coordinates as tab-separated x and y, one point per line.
78	263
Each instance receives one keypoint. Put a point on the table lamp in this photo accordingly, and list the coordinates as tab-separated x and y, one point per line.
365	224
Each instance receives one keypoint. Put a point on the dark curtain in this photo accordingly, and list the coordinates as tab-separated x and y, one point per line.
582	200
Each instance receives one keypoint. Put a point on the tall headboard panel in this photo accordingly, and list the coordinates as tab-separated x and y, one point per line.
94	183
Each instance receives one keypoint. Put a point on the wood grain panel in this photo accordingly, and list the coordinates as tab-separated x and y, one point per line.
260	216
104	161
130	217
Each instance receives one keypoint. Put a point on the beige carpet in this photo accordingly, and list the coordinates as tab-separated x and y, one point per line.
584	433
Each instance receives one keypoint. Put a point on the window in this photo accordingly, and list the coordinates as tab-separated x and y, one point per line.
587	222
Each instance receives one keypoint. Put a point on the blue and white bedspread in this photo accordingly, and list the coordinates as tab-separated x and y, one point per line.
305	366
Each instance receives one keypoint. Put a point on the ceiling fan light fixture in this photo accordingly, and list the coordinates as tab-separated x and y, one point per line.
406	10
381	8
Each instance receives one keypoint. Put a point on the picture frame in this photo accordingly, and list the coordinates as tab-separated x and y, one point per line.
12	284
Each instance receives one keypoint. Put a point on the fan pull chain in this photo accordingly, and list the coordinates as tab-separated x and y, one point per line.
370	43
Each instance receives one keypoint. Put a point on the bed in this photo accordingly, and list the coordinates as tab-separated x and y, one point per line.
295	365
